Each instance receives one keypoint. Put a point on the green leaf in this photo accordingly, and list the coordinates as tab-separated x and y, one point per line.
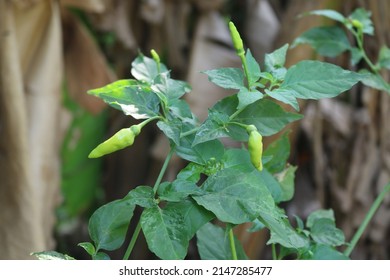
286	181
168	231
384	57
88	247
356	55
246	97
319	214
108	224
284	96
213	244
374	80
177	190
275	61
256	226
235	197
324	231
328	41
254	71
142	196
229	78
237	159
179	109
279	151
363	16
51	255
268	117
281	231
101	256
133	98
272	185
323	252
214	127
191	172
145	68
172	129
315	80
172	89
329	14
200	153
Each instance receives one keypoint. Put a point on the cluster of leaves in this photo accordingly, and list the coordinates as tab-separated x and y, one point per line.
331	41
220	183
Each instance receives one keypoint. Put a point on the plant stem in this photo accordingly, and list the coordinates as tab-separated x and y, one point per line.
367	219
232	244
132	241
359	40
236	113
145	122
155	188
245	66
163	169
274	255
189	132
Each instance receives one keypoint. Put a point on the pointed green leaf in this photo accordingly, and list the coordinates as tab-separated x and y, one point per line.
275	61
229	78
319	214
145	68
374	80
356	55
384	57
172	89
214	127
253	68
142	196
328	41
286	181
200	153
324	231
279	151
329	14
88	247
266	115
171	129
235	197
213	244
108	224
315	80
168	231
133	98
284	96
177	190
246	97
323	252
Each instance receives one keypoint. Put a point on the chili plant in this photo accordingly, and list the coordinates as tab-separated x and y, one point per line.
219	183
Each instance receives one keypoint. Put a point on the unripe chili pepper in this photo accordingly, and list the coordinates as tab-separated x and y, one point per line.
357	24
236	38
155	55
255	147
120	140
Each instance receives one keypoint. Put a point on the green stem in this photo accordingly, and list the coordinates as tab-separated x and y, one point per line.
367	219
163	169
246	70
274	255
145	122
236	113
155	188
189	132
359	40
239	124
232	244
132	241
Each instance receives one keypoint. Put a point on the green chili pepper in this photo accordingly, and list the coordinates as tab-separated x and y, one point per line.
255	147
120	140
357	24
236	38
155	55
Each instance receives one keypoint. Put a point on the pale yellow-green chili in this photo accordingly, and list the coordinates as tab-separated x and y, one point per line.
255	147
120	140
